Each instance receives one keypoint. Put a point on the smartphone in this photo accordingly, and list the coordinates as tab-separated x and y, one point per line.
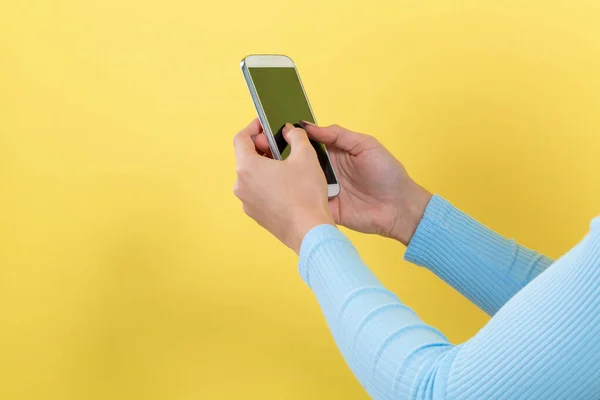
279	97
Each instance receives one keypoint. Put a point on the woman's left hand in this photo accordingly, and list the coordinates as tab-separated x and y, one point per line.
288	198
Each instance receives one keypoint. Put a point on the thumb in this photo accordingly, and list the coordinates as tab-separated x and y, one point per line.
297	138
334	135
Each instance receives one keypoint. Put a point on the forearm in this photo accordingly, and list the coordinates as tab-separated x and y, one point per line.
485	267
389	349
541	345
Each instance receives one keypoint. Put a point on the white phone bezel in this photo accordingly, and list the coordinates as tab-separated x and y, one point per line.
275	60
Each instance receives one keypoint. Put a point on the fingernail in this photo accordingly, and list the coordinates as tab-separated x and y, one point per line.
304	123
287	127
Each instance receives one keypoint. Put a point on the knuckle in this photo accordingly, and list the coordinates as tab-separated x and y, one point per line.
370	138
290	135
242	171
336	128
237	189
239	138
296	132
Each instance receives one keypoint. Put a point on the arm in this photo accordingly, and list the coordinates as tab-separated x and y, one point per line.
389	349
378	196
485	267
542	344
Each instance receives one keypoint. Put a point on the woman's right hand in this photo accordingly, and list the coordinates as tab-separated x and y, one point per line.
377	195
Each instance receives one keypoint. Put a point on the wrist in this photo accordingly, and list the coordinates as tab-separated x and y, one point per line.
305	222
410	211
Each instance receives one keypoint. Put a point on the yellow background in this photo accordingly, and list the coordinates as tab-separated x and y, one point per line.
127	268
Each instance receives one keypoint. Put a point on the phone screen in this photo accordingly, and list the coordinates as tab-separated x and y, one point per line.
283	100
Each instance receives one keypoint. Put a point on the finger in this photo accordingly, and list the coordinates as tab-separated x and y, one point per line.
261	143
268	153
243	143
334	135
296	137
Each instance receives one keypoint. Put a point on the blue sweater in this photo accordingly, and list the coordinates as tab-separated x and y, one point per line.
543	341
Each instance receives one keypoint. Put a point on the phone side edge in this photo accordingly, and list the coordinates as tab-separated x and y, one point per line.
259	109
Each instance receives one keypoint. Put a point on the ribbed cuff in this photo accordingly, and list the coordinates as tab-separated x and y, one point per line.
314	238
424	237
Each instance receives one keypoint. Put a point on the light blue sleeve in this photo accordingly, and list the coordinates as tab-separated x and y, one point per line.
543	344
485	267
